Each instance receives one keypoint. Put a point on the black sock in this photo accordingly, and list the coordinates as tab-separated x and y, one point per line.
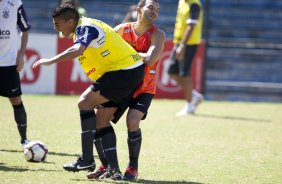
88	127
134	145
100	149
109	143
21	120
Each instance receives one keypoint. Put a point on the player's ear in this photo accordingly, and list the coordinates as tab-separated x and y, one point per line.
138	9
71	22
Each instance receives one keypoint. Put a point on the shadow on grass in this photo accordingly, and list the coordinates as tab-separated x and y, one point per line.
50	153
96	181
62	154
140	181
5	168
164	182
11	151
235	118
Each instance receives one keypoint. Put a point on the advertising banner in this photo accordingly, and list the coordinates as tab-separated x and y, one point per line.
69	78
42	79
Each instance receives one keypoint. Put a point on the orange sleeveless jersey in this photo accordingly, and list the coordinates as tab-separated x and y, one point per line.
142	44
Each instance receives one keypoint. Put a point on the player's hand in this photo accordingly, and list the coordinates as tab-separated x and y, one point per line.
43	61
20	62
180	51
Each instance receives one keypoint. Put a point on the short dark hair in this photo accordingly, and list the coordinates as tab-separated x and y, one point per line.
66	12
142	3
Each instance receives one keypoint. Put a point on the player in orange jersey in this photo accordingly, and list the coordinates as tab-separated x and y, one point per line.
148	40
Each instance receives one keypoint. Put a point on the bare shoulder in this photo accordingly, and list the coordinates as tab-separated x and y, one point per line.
160	34
119	27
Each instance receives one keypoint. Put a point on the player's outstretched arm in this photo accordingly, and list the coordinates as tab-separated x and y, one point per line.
68	54
155	49
42	61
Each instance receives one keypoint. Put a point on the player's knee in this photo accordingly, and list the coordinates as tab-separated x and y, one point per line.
15	100
80	104
132	123
84	105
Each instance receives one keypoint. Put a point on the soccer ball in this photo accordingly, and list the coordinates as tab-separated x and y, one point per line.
35	151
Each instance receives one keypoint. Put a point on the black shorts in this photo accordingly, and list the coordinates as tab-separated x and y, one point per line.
117	85
10	83
140	103
183	68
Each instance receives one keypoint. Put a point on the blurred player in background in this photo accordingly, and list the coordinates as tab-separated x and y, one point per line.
12	17
148	40
131	15
107	59
187	37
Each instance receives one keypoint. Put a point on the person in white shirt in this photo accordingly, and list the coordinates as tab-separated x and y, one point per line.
12	21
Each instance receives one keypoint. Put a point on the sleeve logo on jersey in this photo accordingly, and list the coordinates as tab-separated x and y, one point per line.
86	30
22	19
5	14
127	30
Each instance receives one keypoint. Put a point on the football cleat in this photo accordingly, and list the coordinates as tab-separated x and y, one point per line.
24	143
96	174
130	174
187	109
197	98
190	108
113	174
80	165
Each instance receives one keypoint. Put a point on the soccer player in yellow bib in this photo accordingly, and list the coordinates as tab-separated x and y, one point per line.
113	65
187	37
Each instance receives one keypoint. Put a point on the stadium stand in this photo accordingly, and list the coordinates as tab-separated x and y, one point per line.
244	42
39	13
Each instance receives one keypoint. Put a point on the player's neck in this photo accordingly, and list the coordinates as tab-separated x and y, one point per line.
140	28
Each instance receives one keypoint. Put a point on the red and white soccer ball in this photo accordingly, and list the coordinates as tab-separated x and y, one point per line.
35	151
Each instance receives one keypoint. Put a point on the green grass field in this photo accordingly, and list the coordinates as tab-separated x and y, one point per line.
224	142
